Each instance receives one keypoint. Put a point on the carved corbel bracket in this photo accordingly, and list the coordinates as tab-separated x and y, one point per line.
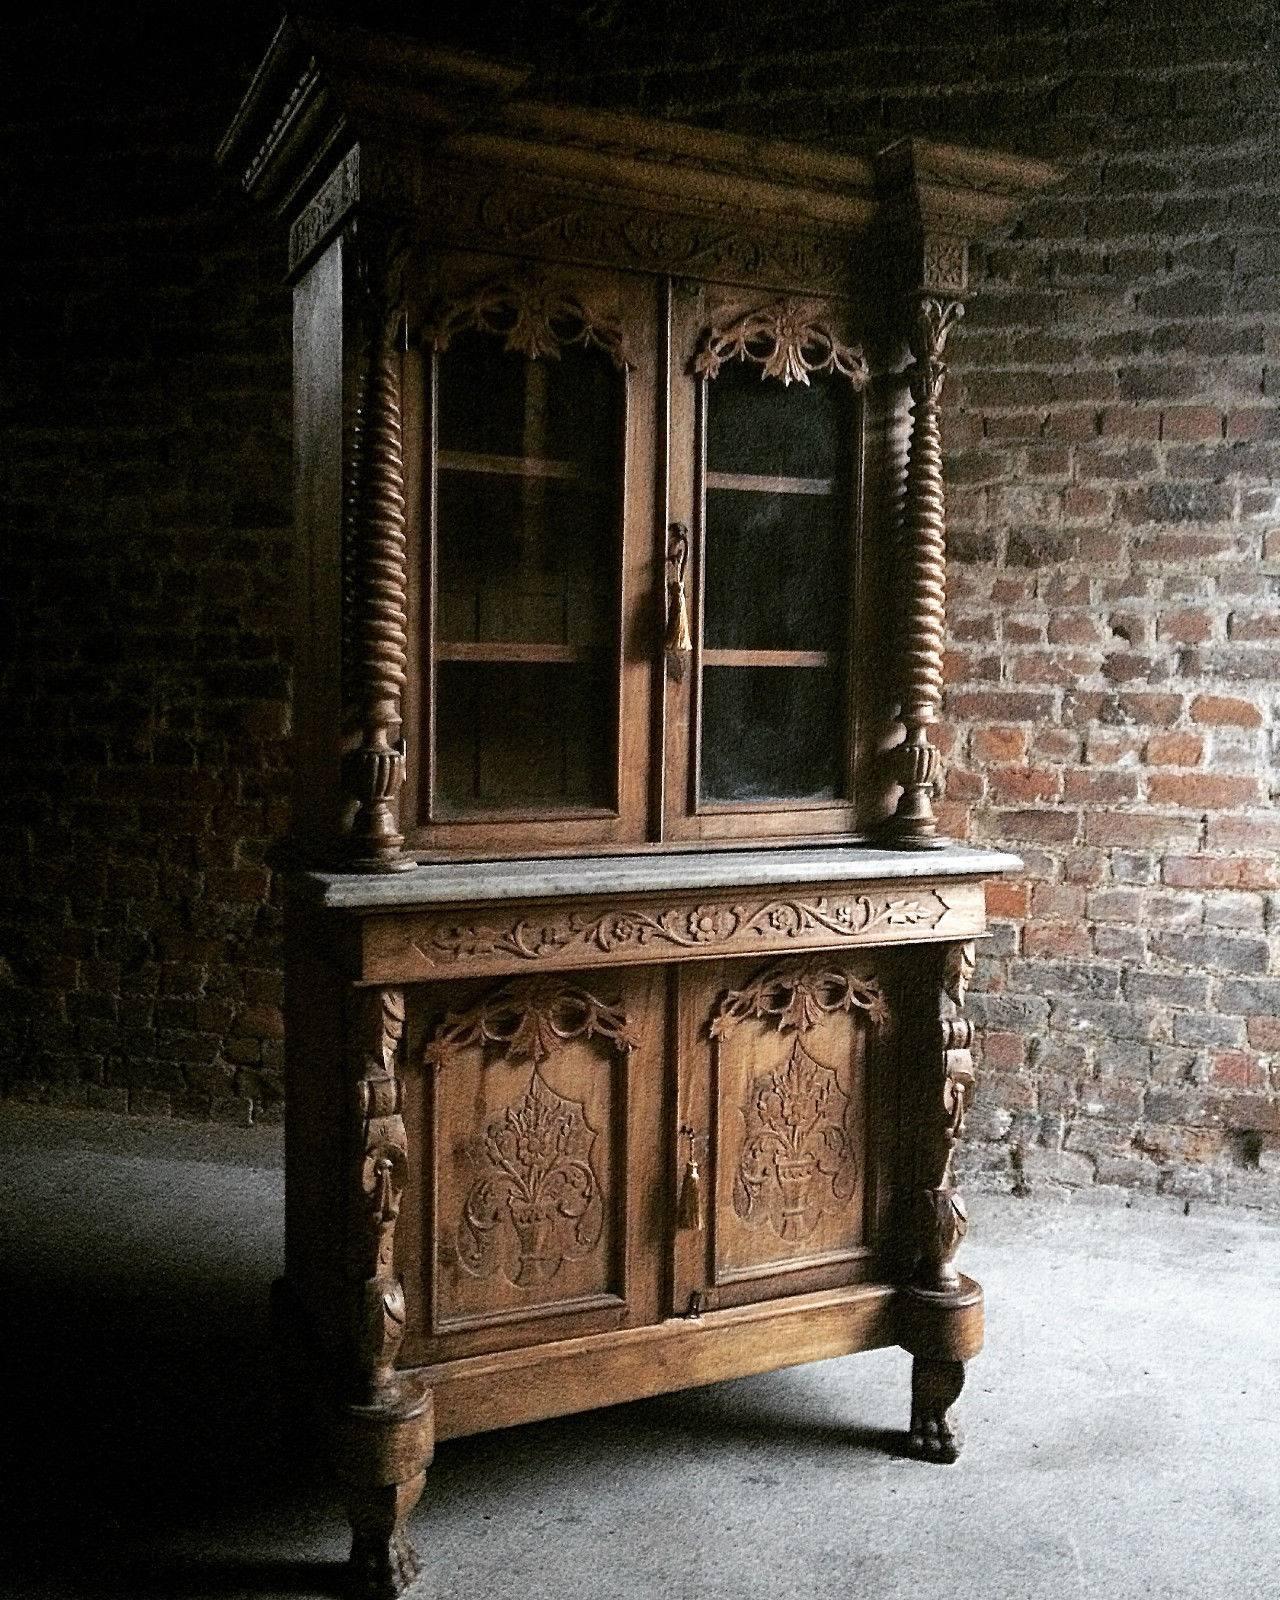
375	586
381	1173
942	1218
915	763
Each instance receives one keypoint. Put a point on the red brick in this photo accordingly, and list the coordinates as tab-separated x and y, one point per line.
1140	828
1056	939
1076	627
1258	830
1100	788
1004	1052
1174	750
999	705
1263	625
1264	1033
1223	710
1203	791
1237	1069
1130	422
1005	899
1189	424
1037	827
1221	872
1185	627
1019	785
1253	422
1057	902
1106	749
1057	744
999	744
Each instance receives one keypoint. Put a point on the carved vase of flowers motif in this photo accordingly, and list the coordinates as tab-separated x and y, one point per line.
536	1203
799	1153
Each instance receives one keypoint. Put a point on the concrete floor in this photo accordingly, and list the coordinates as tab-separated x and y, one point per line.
1124	1421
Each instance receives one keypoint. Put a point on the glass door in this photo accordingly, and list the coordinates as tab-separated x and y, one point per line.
531	430
775	507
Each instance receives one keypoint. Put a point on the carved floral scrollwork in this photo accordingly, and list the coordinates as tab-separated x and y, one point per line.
799	1152
381	1175
533	317
679	927
785	340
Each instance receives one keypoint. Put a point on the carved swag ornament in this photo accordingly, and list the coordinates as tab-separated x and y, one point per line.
533	317
799	1156
785	340
536	1199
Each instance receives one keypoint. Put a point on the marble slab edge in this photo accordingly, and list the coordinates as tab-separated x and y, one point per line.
476	882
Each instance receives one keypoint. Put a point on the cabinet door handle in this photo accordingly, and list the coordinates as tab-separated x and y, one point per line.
679	634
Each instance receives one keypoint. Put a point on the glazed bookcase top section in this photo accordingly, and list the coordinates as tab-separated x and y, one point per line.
337	117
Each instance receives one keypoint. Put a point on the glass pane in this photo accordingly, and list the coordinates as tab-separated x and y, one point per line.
771	733
775	580
527	560
510	735
776	571
757	424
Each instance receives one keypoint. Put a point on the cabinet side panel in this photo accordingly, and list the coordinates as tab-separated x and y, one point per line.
317	410
316	1154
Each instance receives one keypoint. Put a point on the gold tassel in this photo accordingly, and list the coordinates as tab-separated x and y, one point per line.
679	634
689	1211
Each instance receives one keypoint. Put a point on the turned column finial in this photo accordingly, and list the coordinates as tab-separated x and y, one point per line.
916	763
375	635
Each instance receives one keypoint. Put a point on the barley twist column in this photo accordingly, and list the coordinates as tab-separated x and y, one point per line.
375	590
916	761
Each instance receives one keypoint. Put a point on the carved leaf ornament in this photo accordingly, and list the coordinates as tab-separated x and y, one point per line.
799	1158
536	1201
785	341
534	318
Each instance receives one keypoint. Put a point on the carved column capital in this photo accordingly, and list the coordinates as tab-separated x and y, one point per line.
375	587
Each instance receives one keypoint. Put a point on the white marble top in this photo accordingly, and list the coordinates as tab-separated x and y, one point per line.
446	882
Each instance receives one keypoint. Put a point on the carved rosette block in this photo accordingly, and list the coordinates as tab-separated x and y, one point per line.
382	1435
916	763
376	578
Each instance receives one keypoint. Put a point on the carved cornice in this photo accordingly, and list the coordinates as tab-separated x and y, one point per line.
786	340
320	219
533	317
529	1019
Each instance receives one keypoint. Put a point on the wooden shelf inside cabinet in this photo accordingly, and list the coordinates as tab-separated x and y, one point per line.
502	653
769	658
766	483
515	467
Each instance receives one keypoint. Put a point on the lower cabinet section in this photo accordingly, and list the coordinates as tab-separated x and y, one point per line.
604	1149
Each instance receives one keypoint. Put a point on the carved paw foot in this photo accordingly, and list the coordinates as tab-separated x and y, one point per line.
935	1388
381	1567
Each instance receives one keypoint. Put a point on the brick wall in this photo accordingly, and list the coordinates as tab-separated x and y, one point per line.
1114	677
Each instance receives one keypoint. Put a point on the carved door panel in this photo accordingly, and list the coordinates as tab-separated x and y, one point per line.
779	1085
537	1112
766	480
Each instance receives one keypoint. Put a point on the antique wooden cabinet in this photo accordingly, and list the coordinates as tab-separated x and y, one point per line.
626	963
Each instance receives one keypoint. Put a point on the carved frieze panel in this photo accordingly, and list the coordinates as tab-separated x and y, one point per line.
586	933
569	222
